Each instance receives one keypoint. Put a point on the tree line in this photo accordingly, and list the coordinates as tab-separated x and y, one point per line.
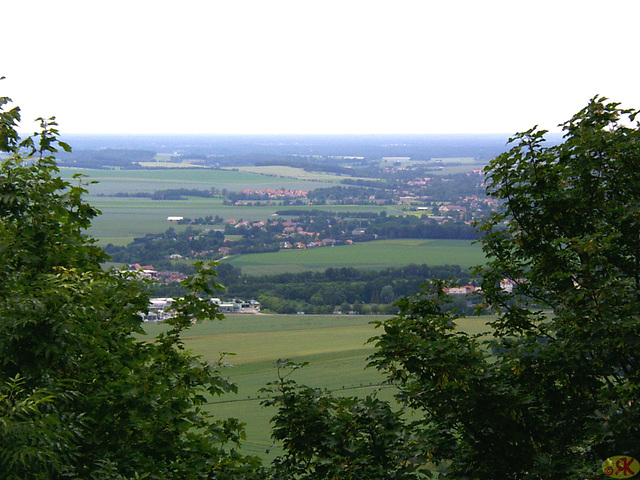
345	289
172	194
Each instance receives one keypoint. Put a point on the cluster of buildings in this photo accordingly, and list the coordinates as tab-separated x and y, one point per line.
274	194
237	306
148	272
506	285
462	290
161	308
325	242
268	195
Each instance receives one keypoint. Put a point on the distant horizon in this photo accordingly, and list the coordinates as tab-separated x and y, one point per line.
174	134
415	146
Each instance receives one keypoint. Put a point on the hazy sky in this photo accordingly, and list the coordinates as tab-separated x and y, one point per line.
345	66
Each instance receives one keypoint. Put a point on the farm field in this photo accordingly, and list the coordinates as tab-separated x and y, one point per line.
334	345
374	255
149	180
124	218
293	172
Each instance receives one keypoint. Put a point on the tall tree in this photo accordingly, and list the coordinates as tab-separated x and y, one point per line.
83	394
554	391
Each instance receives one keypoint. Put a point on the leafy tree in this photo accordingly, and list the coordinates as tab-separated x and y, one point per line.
387	295
553	392
82	393
337	438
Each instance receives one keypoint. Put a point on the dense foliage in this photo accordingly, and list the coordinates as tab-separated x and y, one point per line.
173	194
344	289
551	391
554	392
82	393
341	438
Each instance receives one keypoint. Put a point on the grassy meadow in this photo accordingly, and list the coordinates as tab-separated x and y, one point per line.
334	345
293	172
373	255
149	180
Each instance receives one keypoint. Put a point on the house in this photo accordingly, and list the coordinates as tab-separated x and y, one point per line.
462	290
507	285
145	271
159	310
237	306
452	208
229	307
174	218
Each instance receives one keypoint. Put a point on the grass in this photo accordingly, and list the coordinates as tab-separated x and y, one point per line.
334	345
297	173
373	255
124	218
135	181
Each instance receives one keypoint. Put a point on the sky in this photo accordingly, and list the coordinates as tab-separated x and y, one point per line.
316	67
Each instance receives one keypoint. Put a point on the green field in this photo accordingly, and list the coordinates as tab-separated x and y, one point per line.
123	219
135	181
373	255
297	173
335	347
